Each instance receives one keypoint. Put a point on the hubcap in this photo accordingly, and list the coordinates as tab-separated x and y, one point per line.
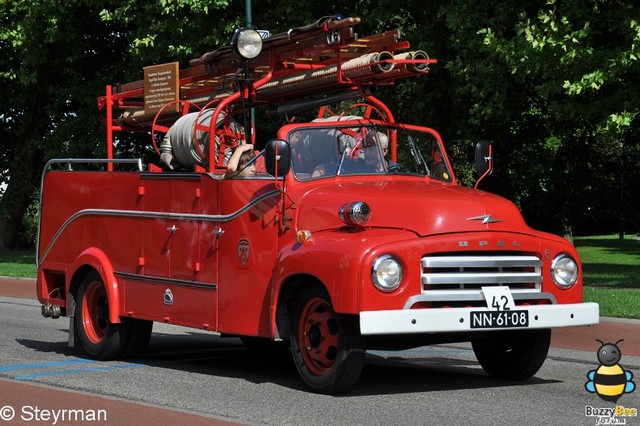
95	312
318	334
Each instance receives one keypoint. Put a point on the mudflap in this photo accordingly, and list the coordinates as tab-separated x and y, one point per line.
73	342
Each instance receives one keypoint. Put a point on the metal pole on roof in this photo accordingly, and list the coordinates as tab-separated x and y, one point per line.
249	18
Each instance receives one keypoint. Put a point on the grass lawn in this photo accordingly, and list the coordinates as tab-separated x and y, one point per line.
19	264
611	272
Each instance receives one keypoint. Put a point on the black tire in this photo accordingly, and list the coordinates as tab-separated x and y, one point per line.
328	349
100	338
139	335
513	355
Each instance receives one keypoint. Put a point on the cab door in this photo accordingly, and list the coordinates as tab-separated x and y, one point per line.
247	254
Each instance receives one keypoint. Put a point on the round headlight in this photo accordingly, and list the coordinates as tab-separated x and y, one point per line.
247	43
357	213
386	273
564	271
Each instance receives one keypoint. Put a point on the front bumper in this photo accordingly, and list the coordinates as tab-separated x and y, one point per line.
441	320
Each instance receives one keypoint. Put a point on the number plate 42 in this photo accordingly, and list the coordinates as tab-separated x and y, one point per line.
498	298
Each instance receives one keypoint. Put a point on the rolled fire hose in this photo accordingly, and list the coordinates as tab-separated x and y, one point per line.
180	135
414	67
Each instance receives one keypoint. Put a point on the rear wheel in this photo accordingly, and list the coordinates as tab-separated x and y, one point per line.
100	338
327	347
513	355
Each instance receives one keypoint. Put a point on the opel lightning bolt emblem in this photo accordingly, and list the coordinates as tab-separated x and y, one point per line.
485	219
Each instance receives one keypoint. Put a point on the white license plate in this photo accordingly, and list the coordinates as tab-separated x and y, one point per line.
499	319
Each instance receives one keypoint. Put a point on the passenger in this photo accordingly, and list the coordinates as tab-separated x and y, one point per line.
303	161
371	155
238	161
384	146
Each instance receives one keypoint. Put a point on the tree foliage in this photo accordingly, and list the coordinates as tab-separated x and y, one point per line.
553	84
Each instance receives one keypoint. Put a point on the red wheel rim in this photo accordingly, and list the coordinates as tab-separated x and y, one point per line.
318	334
95	312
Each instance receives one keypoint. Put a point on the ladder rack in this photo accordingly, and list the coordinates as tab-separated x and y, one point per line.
307	63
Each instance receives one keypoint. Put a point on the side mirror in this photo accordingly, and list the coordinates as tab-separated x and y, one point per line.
278	157
483	160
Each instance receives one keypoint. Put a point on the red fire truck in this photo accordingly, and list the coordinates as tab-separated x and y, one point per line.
349	232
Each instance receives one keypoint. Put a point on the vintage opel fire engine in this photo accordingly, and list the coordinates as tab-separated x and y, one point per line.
348	232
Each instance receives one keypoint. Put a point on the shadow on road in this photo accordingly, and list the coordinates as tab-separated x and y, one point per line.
211	355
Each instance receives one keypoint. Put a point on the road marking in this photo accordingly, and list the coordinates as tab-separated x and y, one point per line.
54	364
77	371
18	367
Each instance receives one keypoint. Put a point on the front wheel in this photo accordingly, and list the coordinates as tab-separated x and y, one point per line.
513	355
100	338
327	347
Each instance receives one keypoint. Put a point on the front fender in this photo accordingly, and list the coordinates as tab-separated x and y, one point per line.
336	259
95	258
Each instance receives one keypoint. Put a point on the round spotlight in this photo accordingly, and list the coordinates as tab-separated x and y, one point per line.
247	43
356	213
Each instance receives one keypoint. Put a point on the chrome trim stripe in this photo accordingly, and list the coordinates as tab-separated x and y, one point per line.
69	161
153	215
163	280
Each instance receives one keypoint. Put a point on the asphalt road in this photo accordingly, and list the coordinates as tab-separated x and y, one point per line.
193	377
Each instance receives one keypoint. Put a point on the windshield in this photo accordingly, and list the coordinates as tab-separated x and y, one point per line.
365	150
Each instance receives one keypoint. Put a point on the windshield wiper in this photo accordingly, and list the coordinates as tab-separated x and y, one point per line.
342	157
417	155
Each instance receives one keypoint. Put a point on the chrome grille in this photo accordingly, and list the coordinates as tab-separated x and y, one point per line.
461	278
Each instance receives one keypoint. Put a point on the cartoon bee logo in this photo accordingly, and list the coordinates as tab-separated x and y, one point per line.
610	381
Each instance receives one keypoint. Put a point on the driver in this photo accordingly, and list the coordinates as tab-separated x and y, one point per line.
360	155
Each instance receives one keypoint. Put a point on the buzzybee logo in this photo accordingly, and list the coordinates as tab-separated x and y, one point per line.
610	381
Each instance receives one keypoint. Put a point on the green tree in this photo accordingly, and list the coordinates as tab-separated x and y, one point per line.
578	62
57	58
553	84
51	58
